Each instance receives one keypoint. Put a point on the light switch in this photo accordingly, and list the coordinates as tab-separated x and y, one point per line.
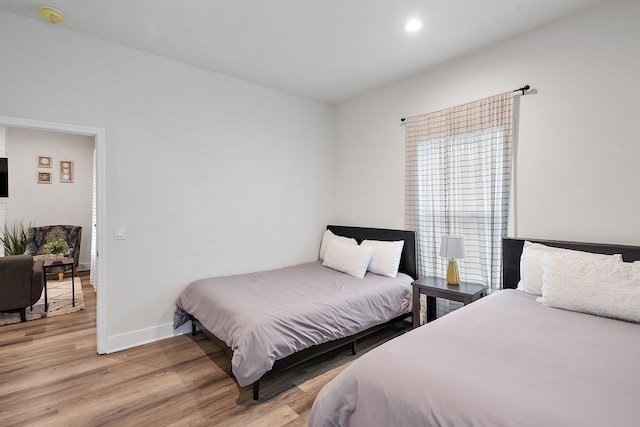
119	233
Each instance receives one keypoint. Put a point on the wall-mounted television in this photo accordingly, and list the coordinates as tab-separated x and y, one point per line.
4	177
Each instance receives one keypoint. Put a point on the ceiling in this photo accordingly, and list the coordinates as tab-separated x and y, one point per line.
328	50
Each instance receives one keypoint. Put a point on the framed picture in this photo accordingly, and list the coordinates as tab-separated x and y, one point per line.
66	171
44	161
44	177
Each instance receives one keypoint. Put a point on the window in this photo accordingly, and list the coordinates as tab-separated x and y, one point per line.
458	165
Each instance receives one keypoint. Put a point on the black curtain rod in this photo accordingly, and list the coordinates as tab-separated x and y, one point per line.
523	89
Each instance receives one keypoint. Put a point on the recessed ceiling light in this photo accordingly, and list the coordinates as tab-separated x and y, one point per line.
51	15
413	25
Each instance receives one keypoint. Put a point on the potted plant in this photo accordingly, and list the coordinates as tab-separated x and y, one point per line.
14	239
57	249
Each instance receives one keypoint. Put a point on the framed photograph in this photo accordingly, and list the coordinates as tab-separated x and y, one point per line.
66	171
44	177
44	161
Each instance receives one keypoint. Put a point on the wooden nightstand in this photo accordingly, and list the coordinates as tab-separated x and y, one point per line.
435	287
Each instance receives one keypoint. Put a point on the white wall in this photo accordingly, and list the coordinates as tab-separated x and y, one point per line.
55	203
578	148
209	175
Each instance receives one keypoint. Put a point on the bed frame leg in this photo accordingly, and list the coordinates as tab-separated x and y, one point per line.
193	329
256	390
353	347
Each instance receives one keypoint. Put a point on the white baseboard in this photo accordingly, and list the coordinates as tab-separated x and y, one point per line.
144	336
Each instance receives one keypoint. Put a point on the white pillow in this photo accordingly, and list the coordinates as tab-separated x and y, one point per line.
328	237
347	258
386	257
602	288
531	272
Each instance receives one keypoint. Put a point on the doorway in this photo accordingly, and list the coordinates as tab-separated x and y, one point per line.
98	135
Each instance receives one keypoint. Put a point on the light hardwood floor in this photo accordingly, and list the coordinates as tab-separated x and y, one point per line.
50	375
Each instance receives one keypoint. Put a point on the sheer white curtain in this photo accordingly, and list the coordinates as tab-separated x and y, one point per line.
458	165
93	274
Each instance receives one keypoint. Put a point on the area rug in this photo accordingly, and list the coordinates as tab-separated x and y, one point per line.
59	298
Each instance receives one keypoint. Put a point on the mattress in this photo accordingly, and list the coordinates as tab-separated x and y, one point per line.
266	316
504	360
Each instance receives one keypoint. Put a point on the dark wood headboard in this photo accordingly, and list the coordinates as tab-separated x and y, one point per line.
512	249
407	261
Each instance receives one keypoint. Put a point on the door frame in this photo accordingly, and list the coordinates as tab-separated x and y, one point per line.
100	146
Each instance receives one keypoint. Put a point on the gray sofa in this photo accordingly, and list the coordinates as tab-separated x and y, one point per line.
21	283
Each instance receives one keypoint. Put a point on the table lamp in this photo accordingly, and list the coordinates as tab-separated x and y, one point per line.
452	248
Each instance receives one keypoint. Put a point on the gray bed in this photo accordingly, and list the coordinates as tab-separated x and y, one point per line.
505	360
278	318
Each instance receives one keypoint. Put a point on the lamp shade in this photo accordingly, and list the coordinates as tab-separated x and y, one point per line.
452	247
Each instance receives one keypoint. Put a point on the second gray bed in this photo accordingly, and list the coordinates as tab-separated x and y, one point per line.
505	360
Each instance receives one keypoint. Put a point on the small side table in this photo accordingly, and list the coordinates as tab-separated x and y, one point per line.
435	287
65	264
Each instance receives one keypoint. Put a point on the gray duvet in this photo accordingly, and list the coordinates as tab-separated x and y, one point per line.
504	360
269	315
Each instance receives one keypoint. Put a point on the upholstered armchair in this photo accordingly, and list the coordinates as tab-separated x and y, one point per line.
21	283
38	236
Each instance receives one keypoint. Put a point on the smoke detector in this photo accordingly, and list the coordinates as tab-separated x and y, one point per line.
51	15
